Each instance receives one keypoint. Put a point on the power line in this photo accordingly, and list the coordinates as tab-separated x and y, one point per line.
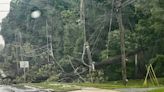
128	2
97	38
75	70
110	26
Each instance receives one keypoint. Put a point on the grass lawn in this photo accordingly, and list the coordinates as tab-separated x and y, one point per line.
57	87
118	84
157	90
111	85
63	87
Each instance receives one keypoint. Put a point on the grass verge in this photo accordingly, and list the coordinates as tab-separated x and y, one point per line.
157	90
118	84
57	87
64	87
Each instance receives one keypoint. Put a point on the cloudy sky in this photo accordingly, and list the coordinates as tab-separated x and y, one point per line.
4	8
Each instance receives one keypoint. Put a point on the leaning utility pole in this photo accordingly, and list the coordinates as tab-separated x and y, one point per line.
86	44
122	39
82	19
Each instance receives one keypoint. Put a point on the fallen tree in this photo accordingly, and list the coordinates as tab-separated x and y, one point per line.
115	59
68	77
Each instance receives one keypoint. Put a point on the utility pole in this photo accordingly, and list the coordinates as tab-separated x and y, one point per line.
47	34
110	27
82	18
86	44
20	46
21	53
122	39
136	65
16	52
90	60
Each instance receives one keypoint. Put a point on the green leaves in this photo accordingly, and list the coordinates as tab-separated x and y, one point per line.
60	27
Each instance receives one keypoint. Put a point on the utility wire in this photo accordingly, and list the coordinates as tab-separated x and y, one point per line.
95	33
33	50
53	57
75	70
34	55
128	2
110	26
97	39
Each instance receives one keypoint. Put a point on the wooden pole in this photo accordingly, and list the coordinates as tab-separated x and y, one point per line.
16	52
86	44
136	65
90	60
24	69
122	39
82	18
20	46
47	35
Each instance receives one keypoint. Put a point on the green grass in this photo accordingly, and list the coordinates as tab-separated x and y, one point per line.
63	87
157	90
57	87
111	85
118	84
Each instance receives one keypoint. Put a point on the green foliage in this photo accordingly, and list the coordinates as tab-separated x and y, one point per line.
157	90
98	76
48	41
53	78
158	63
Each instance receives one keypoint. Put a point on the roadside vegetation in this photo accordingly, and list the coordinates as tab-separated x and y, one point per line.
57	87
108	85
157	90
118	84
78	42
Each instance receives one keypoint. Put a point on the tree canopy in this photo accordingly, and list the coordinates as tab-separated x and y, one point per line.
53	43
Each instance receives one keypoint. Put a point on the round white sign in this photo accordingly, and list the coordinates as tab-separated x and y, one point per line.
36	14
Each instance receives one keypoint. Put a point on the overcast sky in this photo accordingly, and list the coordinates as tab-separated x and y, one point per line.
4	8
